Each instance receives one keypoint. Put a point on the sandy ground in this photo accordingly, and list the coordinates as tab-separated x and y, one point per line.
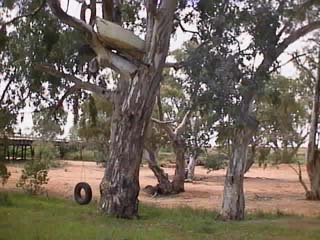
269	190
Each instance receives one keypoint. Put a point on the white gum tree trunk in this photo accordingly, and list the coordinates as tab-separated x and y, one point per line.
233	205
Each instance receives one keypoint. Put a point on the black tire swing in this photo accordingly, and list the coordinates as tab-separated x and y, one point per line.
82	187
86	197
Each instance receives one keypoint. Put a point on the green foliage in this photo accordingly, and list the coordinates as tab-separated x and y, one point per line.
283	156
283	113
7	120
94	127
223	62
166	157
33	217
35	172
45	151
48	124
8	4
262	155
85	155
215	161
34	176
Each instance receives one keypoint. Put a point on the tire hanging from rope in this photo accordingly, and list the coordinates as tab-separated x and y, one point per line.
85	198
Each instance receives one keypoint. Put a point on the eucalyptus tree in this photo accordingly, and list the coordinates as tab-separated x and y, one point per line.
309	70
183	124
171	117
242	41
282	112
61	49
94	125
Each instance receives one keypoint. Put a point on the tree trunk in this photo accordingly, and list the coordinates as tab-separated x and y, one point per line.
233	197
313	169
179	176
250	160
132	108
191	166
120	187
164	185
313	158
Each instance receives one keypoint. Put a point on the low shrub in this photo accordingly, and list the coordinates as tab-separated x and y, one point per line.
35	172
34	176
45	151
215	161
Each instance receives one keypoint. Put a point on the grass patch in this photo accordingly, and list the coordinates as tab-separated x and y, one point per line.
34	217
4	199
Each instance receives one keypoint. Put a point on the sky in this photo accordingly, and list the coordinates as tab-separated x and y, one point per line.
176	42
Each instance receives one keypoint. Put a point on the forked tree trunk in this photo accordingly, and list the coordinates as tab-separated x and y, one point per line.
191	166
179	176
313	157
233	205
179	148
132	107
164	185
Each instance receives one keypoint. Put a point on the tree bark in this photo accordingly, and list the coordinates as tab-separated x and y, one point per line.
313	169
191	166
250	160
179	147
233	197
119	187
179	176
313	157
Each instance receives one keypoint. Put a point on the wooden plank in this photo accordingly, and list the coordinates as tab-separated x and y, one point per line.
120	38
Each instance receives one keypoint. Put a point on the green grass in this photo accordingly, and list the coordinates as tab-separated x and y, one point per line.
25	217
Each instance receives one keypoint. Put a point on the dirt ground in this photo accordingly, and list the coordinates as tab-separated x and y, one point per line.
272	189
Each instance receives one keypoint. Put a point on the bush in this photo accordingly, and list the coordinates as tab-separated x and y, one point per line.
45	151
4	174
35	172
34	175
283	156
215	161
87	155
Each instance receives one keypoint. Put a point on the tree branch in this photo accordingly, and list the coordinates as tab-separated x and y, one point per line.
67	19
159	104
77	81
93	12
176	66
293	58
296	35
31	14
69	91
304	68
107	10
165	125
163	22
151	7
299	173
5	90
186	30
181	127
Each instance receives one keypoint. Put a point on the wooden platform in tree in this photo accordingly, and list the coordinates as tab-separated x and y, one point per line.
120	38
